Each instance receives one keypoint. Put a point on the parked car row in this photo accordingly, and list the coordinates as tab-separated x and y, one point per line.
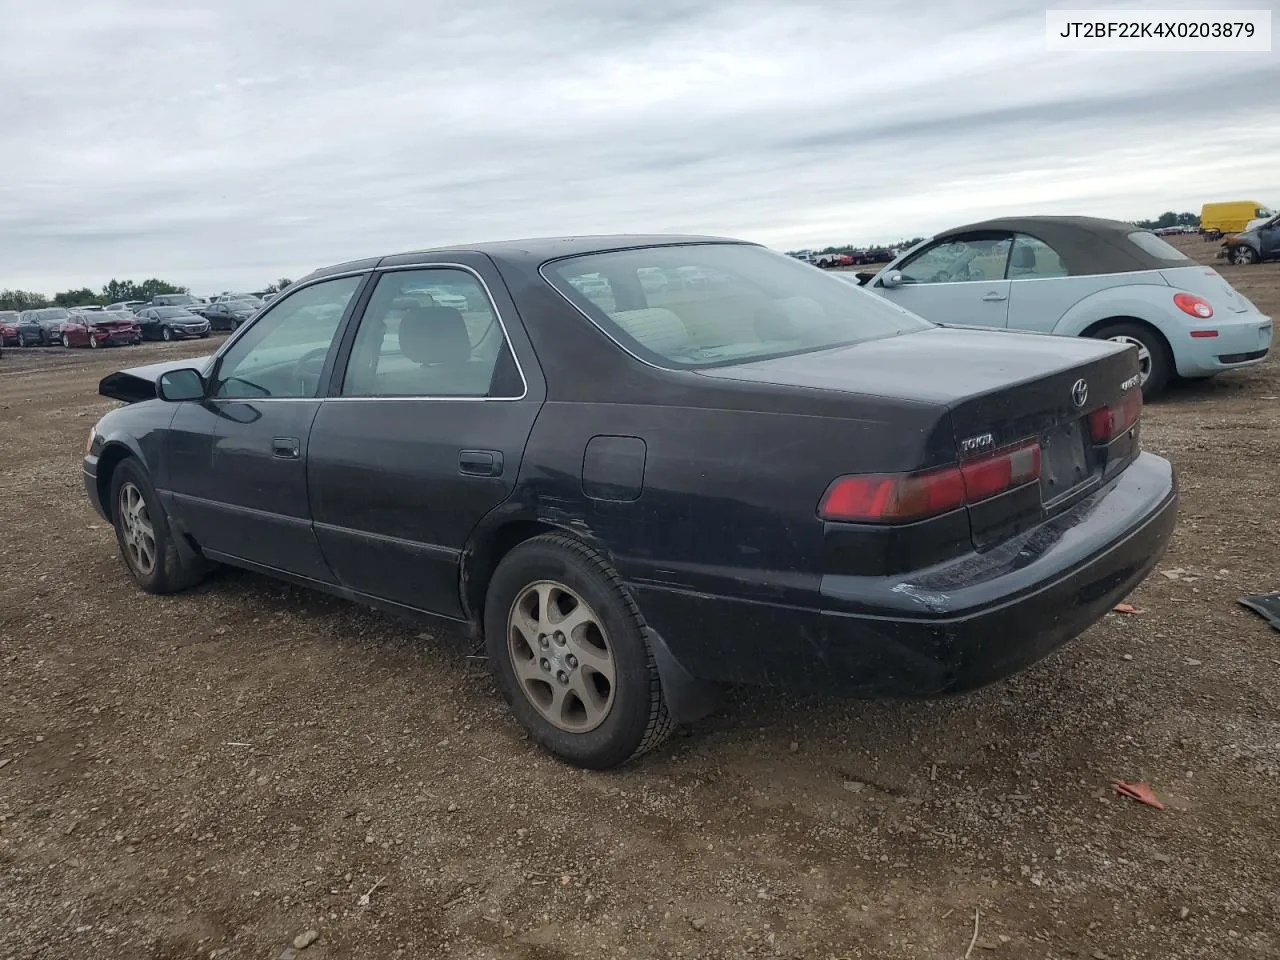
850	259
120	324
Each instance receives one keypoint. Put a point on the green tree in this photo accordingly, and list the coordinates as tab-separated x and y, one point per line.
153	287
22	300
75	298
279	286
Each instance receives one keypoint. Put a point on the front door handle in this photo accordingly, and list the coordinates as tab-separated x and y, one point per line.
480	463
994	296
286	448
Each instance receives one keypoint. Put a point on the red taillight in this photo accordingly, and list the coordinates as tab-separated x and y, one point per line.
1109	422
1193	306
1001	471
880	498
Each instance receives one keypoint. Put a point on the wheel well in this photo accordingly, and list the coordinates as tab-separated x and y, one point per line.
478	568
1093	328
108	460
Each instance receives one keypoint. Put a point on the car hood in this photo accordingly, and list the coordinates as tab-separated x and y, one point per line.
137	384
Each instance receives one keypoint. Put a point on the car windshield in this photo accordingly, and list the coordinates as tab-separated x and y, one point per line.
168	312
721	304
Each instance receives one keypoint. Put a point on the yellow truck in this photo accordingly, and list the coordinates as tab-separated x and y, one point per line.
1217	219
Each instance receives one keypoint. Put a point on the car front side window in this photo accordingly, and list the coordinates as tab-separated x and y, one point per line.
1033	259
963	259
283	353
431	333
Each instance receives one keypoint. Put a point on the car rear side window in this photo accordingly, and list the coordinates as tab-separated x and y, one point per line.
709	304
431	333
282	354
1150	244
1033	259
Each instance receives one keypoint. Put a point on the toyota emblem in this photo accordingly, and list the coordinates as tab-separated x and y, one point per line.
1080	393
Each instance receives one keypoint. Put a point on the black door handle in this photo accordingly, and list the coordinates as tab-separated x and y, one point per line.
286	448
480	463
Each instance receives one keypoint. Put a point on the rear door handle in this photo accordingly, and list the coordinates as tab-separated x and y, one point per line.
995	296
480	463
286	448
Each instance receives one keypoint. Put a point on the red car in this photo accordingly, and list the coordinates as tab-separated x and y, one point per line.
8	328
100	330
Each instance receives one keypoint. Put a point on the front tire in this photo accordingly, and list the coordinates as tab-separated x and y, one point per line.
143	533
567	648
1243	256
66	341
166	334
1155	360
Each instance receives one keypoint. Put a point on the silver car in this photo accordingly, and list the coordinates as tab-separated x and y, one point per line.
1082	277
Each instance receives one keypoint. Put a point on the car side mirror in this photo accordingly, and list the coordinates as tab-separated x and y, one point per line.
892	279
177	386
865	277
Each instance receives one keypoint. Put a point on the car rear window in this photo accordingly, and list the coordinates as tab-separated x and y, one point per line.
1152	245
713	304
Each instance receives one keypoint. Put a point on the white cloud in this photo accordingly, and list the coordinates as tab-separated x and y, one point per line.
222	143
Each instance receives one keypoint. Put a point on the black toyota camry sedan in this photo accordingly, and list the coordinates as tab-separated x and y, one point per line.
641	468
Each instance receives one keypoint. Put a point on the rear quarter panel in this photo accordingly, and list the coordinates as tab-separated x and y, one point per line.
728	504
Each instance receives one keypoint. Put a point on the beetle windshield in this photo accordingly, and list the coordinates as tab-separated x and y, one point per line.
709	304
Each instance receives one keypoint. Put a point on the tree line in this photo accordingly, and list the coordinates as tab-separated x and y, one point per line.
116	291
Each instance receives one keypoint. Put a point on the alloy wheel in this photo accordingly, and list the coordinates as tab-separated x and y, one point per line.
1144	354
1242	256
561	656
139	535
66	341
166	334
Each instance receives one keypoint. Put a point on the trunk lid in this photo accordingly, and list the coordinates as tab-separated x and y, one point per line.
1209	284
999	389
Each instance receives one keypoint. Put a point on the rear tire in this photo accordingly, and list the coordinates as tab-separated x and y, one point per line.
144	536
617	718
66	341
166	334
1155	360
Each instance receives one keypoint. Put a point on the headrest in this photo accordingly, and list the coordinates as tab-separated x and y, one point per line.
1024	258
431	335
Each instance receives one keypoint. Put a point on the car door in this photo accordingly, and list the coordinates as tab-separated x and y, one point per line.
959	279
238	459
1040	291
423	431
1269	239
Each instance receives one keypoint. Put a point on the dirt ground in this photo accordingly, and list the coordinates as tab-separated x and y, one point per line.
214	774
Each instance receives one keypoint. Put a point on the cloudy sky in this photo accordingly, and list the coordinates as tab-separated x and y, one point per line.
223	143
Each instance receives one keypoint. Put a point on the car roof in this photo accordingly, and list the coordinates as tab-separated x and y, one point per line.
530	252
1086	245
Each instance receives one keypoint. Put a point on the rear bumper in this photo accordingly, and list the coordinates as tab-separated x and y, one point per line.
1242	341
960	625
